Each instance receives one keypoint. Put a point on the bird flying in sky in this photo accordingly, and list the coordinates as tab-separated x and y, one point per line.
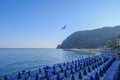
64	27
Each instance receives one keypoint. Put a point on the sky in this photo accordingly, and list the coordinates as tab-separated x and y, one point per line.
37	23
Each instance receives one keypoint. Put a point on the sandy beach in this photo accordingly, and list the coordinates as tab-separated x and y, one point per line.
97	50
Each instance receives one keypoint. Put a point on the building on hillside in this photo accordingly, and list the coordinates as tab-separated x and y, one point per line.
118	41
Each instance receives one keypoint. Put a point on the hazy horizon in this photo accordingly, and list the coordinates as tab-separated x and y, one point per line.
37	23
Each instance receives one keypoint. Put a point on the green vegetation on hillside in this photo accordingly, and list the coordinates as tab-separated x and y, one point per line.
96	38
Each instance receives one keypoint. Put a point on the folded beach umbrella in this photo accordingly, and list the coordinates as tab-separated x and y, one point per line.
91	78
101	73
79	75
84	72
89	70
5	77
37	77
97	76
58	77
29	73
93	67
72	78
19	75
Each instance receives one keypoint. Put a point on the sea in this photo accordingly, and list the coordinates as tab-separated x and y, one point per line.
17	59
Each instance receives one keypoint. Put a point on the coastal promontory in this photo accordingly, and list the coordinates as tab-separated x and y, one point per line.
96	38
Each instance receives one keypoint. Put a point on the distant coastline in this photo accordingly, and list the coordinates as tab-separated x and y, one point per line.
87	50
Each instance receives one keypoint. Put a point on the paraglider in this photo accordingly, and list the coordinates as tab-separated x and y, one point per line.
64	27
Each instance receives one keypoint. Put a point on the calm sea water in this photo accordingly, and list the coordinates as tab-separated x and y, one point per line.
13	60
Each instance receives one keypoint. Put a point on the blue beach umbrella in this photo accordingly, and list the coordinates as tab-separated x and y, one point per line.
5	77
58	77
89	69
93	67
91	78
64	64
73	78
62	70
60	65
100	73
19	75
37	77
39	70
97	76
29	73
26	79
76	69
79	75
54	66
84	72
72	70
65	74
23	71
104	70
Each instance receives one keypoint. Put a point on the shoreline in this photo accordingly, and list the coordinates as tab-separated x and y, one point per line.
87	50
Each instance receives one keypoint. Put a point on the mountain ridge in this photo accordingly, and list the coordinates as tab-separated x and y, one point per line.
91	38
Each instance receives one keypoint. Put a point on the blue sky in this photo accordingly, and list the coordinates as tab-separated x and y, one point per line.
37	23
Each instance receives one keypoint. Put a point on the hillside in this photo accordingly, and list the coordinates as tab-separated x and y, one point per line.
91	38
